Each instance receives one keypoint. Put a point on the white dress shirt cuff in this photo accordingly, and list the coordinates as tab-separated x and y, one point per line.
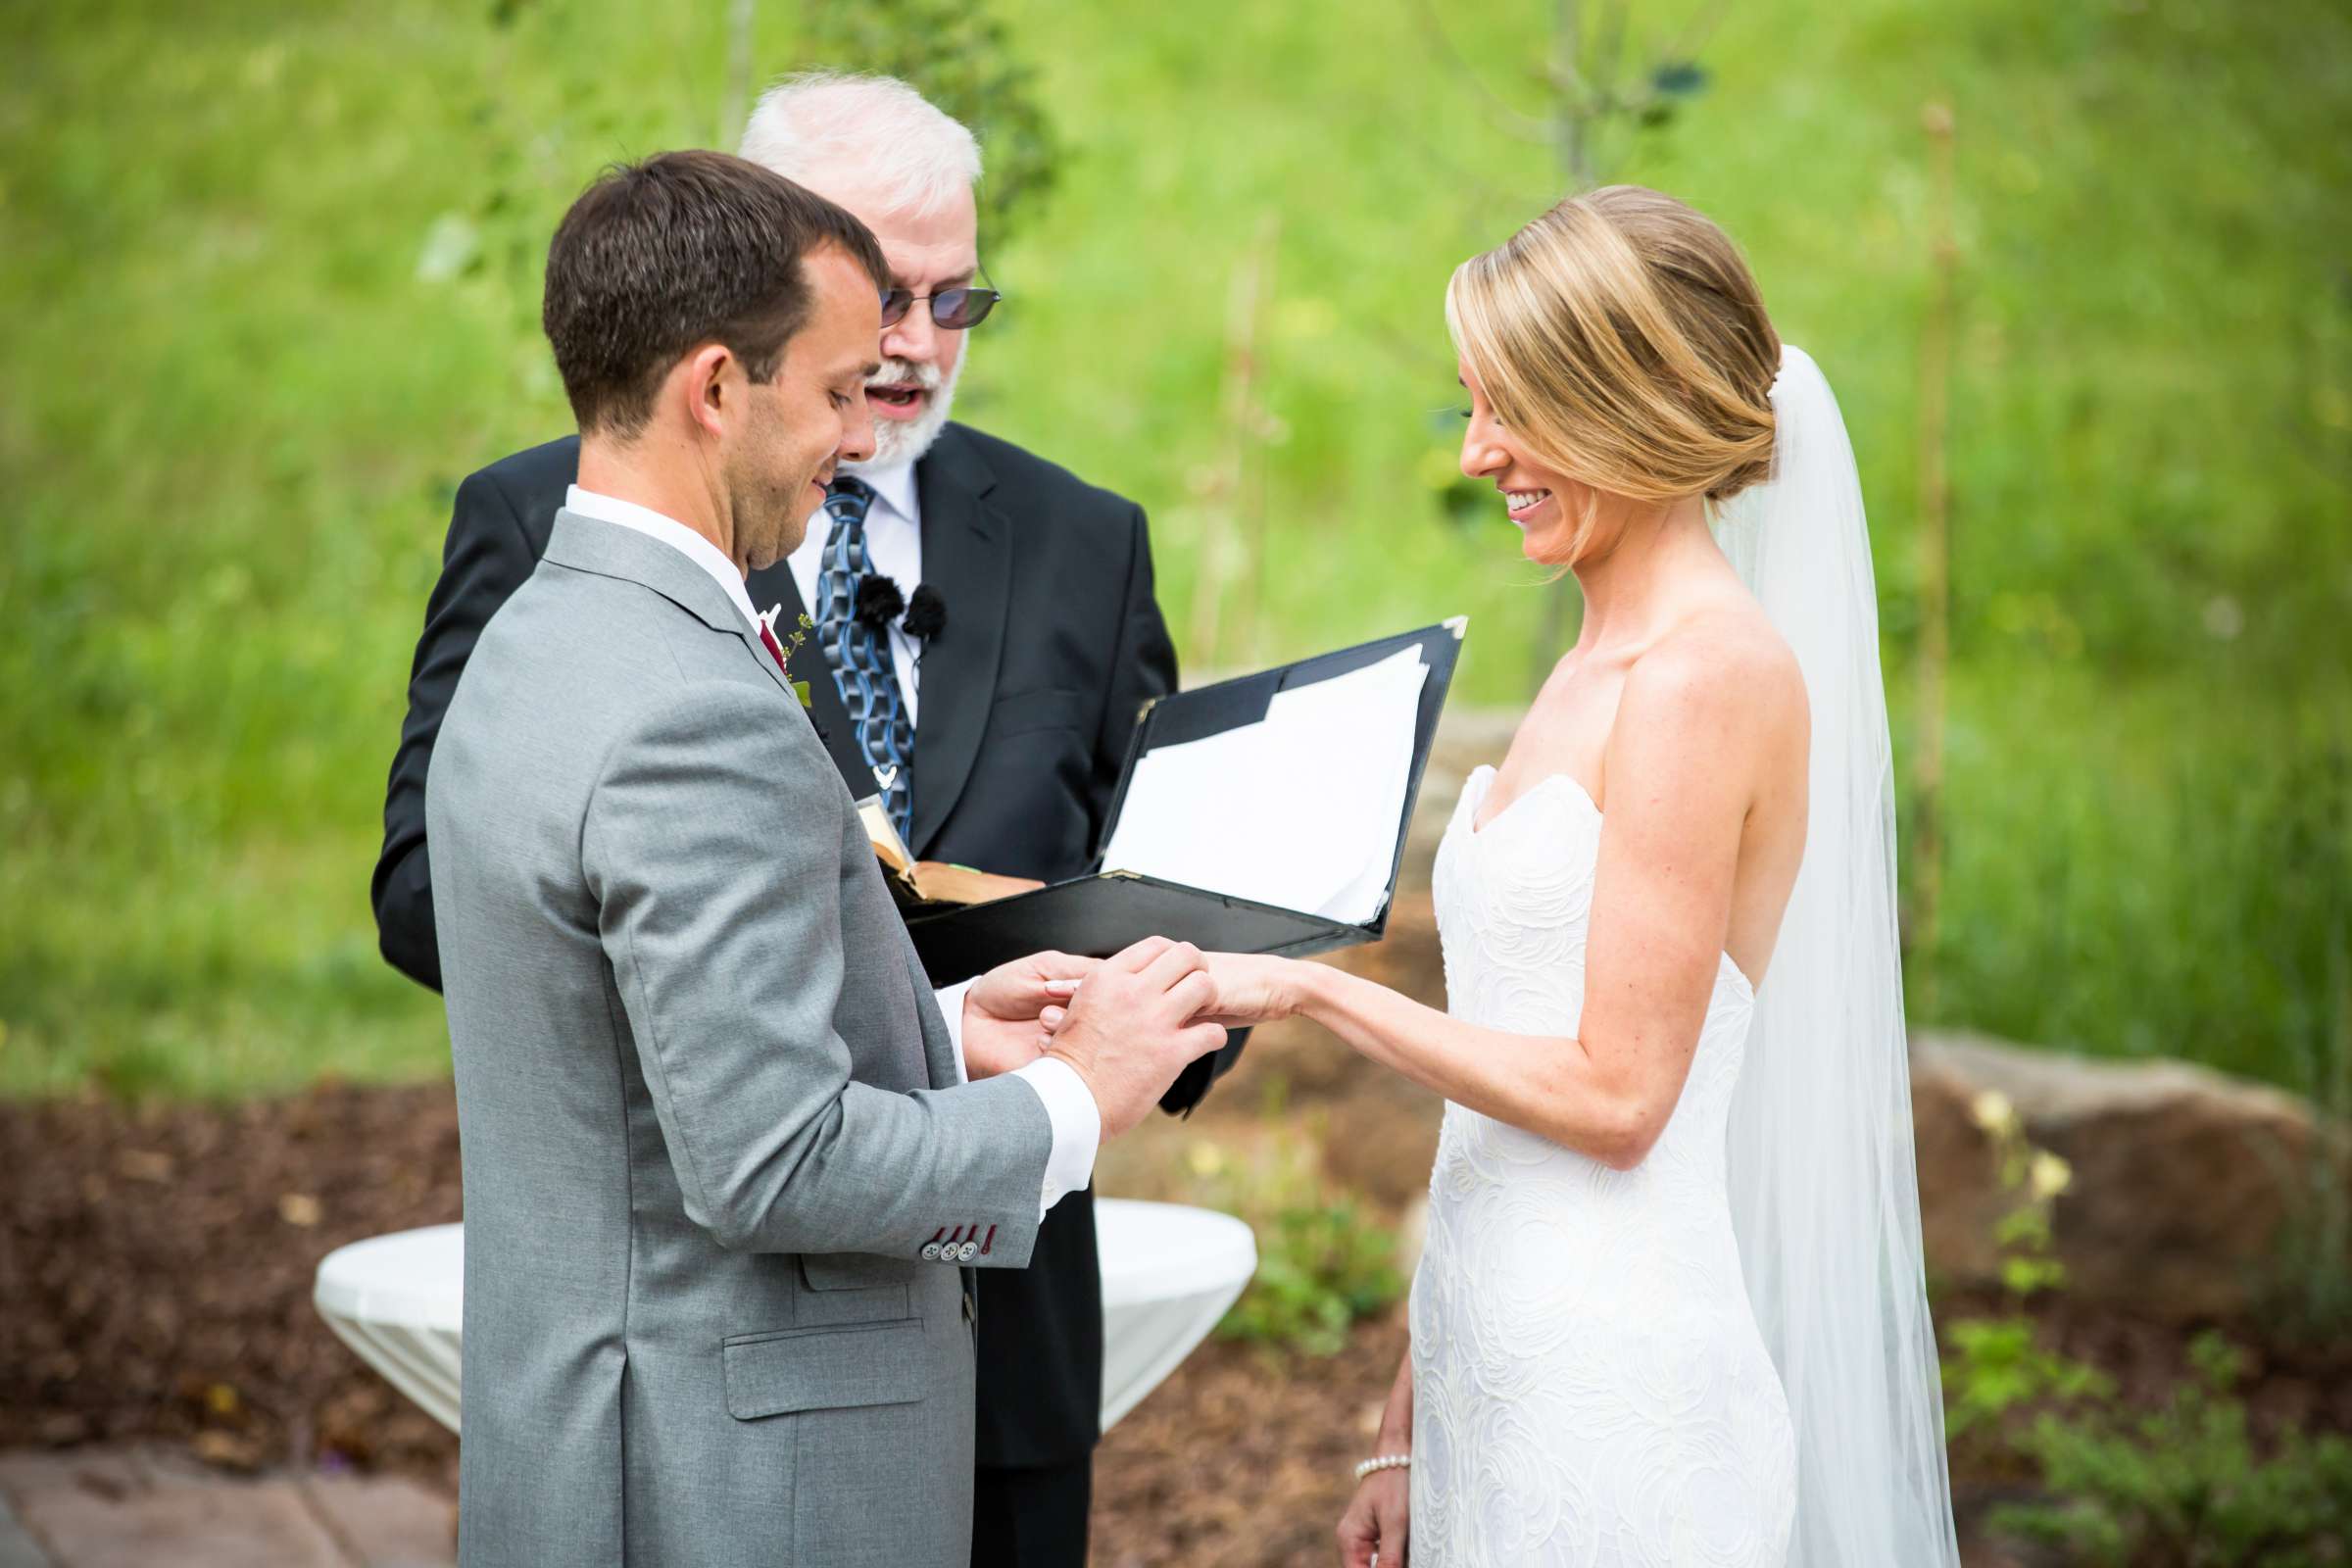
1077	1127
951	1007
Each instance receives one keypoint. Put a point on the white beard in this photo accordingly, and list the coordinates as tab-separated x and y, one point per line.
903	441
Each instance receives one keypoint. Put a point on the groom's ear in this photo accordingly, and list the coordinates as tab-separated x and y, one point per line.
710	383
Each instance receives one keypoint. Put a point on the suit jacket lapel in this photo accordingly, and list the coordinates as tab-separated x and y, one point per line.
967	551
773	585
590	544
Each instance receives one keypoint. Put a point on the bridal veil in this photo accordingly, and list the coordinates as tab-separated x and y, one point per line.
1824	1186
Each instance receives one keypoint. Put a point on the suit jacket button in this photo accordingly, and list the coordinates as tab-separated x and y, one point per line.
930	1251
967	1251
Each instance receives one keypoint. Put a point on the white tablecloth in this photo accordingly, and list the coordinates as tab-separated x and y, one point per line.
1168	1274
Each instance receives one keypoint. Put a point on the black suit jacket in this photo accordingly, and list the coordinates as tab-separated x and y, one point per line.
1053	644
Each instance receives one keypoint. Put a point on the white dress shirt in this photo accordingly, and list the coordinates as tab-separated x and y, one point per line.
893	549
1070	1107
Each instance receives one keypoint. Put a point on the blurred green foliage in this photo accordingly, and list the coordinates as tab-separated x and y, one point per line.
2186	1484
2183	1485
961	56
1321	1265
270	279
1324	1258
1996	1371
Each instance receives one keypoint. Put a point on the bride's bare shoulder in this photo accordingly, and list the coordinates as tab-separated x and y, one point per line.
1723	668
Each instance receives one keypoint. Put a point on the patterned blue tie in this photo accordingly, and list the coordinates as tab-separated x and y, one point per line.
858	655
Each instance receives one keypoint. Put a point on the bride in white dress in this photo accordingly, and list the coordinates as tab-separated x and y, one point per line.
1671	1307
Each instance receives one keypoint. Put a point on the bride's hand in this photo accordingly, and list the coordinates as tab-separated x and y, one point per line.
1375	1525
1253	988
1250	990
1010	1011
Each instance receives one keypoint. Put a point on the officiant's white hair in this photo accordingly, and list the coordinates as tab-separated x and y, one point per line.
819	126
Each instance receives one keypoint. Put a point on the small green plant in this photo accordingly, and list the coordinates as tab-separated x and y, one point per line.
2180	1487
1324	1260
1998	1366
1320	1267
2184	1487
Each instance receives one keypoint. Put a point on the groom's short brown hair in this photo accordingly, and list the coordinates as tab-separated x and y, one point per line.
661	257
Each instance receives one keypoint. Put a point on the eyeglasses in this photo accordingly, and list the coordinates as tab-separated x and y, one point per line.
954	308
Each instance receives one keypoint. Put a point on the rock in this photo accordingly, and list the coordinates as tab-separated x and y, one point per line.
2186	1183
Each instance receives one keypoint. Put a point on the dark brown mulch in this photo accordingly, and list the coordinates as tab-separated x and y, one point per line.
1243	1457
156	1268
155	1283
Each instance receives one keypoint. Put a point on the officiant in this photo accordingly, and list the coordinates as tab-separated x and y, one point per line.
983	636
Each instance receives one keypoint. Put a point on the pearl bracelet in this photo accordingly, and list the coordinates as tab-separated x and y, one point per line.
1386	1461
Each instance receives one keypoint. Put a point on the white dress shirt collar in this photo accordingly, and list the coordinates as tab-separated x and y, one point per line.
893	487
671	532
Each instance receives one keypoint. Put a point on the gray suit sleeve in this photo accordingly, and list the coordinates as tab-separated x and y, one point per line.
713	845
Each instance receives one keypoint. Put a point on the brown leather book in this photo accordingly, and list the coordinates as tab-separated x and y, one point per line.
930	884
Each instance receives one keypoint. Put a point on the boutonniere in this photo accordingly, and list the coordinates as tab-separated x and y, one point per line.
791	646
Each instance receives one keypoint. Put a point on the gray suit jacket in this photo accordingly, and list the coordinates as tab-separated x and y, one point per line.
708	1106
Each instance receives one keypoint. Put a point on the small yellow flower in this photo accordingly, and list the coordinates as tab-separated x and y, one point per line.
1992	1111
1206	1160
2049	1175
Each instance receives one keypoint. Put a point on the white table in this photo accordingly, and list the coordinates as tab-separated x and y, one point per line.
1168	1274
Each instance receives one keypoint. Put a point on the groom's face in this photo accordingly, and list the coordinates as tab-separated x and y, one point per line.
812	416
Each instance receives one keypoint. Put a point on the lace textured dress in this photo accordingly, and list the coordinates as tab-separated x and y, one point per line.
1589	1385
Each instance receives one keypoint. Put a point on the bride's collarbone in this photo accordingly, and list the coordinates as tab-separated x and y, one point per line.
1505	792
1570	745
1575	708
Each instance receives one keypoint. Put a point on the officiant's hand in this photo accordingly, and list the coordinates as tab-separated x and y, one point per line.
1134	1025
1008	1010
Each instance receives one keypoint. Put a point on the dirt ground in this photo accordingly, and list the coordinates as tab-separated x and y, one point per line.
156	1269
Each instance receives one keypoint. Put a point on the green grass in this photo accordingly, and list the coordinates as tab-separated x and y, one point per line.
232	414
2150	867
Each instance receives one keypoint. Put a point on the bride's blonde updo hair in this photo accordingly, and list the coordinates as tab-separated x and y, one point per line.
1622	341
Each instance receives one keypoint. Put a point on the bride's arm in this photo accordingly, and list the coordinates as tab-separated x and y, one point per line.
1377	1524
1396	1417
1680	766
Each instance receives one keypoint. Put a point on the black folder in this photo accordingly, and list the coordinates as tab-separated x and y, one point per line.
1097	915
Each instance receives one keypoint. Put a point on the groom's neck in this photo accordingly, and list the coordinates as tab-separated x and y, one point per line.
665	475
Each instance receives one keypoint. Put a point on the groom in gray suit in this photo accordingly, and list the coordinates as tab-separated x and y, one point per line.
724	1176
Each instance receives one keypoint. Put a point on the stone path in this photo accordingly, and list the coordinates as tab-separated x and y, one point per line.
139	1507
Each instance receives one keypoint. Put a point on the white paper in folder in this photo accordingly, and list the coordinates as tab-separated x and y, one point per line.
1300	809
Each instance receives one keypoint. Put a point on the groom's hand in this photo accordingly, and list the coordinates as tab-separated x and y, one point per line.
1252	989
1008	1010
1131	1029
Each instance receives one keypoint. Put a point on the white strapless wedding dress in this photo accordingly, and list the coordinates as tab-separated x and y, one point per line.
1589	1385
